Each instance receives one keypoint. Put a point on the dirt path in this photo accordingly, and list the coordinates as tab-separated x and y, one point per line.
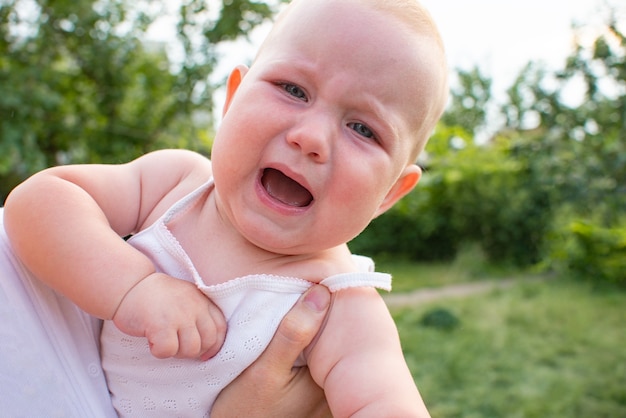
399	300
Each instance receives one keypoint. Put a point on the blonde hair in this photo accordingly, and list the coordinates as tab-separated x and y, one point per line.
411	12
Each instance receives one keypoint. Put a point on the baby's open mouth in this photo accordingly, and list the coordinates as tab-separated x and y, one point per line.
285	189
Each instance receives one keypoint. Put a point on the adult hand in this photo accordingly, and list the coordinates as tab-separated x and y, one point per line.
271	386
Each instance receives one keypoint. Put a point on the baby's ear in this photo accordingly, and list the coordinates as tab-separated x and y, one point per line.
407	182
234	80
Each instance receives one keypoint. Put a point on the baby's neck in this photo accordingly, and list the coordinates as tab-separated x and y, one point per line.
219	253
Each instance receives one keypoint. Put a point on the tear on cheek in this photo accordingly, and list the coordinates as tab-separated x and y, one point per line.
285	189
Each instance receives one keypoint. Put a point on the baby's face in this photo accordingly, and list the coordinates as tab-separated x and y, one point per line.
318	137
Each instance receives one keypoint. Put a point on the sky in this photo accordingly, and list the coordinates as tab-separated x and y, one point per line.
499	36
502	36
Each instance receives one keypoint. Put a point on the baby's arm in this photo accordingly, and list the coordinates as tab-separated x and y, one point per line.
358	360
66	224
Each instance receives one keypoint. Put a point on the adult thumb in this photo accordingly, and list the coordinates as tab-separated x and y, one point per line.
298	328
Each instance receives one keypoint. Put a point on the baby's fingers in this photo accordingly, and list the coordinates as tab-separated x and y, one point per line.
189	343
164	343
186	343
202	340
212	330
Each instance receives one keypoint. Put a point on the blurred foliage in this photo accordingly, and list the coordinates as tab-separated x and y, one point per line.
468	105
591	251
548	189
80	83
440	318
471	193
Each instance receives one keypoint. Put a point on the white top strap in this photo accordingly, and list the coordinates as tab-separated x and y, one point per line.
348	280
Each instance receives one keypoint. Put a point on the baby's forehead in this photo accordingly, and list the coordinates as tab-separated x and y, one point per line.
329	21
314	14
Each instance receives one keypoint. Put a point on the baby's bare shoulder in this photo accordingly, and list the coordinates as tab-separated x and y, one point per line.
167	176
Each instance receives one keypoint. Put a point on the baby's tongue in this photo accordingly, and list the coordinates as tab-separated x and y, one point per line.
285	189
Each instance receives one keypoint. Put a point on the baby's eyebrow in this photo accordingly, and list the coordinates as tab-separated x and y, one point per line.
287	64
372	106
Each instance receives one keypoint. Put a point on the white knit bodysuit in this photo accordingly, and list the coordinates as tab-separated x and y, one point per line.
144	386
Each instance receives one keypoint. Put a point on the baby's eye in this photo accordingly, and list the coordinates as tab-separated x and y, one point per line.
295	91
362	130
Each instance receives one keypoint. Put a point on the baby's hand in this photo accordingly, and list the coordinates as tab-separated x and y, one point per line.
175	317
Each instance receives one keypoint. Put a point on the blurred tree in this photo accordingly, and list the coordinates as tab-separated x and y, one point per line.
469	101
79	82
577	151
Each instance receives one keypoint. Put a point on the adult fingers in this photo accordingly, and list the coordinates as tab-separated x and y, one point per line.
271	386
297	329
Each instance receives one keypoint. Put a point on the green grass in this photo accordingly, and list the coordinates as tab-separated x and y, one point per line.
547	349
470	265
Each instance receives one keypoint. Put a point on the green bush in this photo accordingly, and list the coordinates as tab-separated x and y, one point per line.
417	228
474	194
497	206
589	250
440	318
